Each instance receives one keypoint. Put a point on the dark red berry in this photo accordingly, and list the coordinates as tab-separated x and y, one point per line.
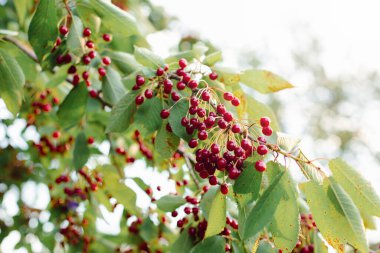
182	63
148	93
72	70
63	30
93	93
202	135
262	150
140	80
86	59
76	79
221	109
184	121
106	60
193	143
92	54
213	180
228	117
236	128
90	44
260	166
228	96
235	101
165	113
174	214
267	131
181	86
186	78
90	140
56	134
160	72
86	32
264	121
85	75
206	96
222	124
213	76
107	37
215	149
224	189
102	71
139	100
192	84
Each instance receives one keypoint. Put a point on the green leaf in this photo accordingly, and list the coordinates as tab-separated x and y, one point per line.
125	62
102	198
330	204
249	181
213	244
11	81
148	230
166	143
122	193
256	110
81	153
115	19
72	109
213	58
43	30
309	171
264	210
360	190
178	111
21	9
228	76
264	81
150	109
319	245
75	41
205	204
368	220
265	247
112	86
123	113
285	228
183	244
169	203
217	215
88	17
148	58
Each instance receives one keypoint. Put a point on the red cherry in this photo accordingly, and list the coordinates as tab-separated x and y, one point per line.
235	101
174	214
234	173
222	124
228	96
93	93
264	121
76	79
262	150
120	151
165	113
140	80
55	100
46	107
102	71
221	109
85	75
267	131
246	144
228	117
106	60
92	54
202	135
148	93
72	70
224	189
184	121
175	96
107	37
186	78
215	149
139	100
194	101
86	59
63	30
206	96
180	223
260	166
193	84
56	134
213	180
90	44
90	140
201	112
236	128
193	143
160	72
182	63
86	32
168	86
213	76
181	86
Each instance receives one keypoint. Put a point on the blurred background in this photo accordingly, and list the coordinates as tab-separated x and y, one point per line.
330	50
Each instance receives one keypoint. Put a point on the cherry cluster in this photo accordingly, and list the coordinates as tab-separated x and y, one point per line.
42	103
223	141
73	233
87	58
52	145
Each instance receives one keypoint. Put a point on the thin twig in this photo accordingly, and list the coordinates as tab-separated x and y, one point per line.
27	50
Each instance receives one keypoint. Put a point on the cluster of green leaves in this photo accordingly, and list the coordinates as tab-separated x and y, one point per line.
267	205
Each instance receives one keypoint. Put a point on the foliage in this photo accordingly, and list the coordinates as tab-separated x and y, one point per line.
99	83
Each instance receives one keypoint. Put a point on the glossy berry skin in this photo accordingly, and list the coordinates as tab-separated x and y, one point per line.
107	37
246	144
228	96
228	117
92	54
181	86
202	135
236	128
182	63
90	140
139	100
262	150
260	166
93	93
224	189
222	124
160	72
86	59
63	30
235	101
148	93
215	149
193	84
165	113
213	180
213	76
267	131
86	32
56	134
90	44
140	80
221	109
193	143
106	60
264	121
102	71
174	214
85	75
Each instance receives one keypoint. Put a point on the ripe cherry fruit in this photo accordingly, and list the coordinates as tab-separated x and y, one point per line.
224	189
260	166
264	121
165	113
